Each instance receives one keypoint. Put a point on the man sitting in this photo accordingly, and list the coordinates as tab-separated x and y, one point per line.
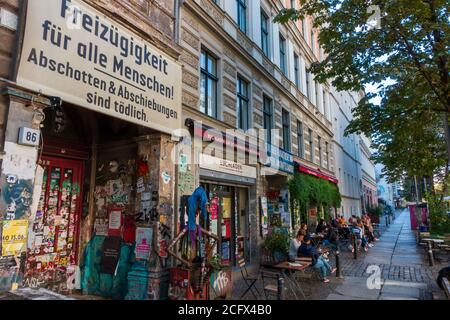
306	249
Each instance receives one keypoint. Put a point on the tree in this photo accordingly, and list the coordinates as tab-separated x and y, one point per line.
407	58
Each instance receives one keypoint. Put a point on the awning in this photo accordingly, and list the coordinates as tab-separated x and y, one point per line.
315	172
232	141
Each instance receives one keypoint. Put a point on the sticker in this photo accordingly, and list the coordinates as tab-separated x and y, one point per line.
166	177
140	185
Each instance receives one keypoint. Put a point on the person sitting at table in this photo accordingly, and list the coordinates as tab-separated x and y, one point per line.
306	249
358	232
331	238
321	227
295	244
304	228
342	222
368	229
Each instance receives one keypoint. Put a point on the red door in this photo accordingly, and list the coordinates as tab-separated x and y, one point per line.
57	221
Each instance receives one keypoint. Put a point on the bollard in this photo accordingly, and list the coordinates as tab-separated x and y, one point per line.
338	263
355	247
386	218
430	254
280	287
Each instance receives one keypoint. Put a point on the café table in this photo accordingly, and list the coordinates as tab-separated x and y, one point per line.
431	242
288	270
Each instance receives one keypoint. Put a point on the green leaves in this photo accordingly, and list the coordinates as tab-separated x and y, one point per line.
408	57
306	191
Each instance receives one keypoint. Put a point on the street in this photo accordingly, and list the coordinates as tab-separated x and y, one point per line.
404	270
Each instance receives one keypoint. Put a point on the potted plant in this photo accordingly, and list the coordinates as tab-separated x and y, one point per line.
277	244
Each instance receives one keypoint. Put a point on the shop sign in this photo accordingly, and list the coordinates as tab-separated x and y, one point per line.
74	52
226	166
279	159
14	237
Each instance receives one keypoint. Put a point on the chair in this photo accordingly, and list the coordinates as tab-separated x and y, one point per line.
270	283
250	281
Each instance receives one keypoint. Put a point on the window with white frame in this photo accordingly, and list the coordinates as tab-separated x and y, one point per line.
242	103
242	15
208	84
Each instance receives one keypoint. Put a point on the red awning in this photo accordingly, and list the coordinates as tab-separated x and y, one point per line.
316	172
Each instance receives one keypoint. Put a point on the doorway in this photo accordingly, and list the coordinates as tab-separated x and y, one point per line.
229	220
57	222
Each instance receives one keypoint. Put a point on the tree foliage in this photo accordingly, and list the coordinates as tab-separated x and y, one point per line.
407	59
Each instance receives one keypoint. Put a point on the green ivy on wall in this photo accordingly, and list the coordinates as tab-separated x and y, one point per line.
308	191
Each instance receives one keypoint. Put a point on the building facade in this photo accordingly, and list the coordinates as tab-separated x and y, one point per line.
368	182
347	153
112	113
241	71
90	94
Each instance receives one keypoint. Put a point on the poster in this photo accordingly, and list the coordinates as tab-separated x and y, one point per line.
214	208
14	237
264	215
144	238
110	255
226	208
115	223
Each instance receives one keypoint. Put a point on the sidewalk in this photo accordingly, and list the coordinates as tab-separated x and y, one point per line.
404	273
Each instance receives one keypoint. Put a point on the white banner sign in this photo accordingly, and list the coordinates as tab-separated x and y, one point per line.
72	51
226	166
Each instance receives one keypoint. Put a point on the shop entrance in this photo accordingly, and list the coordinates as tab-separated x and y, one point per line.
229	220
57	220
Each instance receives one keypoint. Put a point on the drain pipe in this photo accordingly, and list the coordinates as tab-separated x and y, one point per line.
177	14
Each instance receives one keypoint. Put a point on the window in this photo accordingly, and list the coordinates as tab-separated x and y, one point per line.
311	145
208	84
327	155
307	83
242	104
286	131
296	70
268	118
303	27
325	111
293	4
282	54
300	144
242	15
319	142
264	33
313	41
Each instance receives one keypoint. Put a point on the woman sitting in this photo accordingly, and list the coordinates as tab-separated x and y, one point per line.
295	244
306	249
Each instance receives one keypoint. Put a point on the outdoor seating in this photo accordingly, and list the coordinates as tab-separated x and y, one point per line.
270	283
249	280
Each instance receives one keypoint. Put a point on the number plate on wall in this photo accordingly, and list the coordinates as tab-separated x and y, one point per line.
28	136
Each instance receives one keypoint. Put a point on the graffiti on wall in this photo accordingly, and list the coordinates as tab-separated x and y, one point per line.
18	198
